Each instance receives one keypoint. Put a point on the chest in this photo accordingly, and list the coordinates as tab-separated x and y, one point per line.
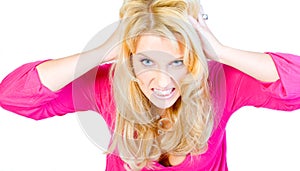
168	160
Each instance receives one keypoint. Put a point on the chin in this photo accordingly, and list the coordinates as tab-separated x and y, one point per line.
164	104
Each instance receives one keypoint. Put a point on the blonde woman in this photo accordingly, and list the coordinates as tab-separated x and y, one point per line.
167	92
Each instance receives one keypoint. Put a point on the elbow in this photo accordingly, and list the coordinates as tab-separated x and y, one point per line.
35	113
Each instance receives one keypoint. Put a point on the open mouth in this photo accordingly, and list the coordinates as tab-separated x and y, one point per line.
163	94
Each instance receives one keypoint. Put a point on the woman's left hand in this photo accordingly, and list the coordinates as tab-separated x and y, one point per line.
258	65
212	48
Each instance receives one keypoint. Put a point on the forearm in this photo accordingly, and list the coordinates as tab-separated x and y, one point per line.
55	74
257	65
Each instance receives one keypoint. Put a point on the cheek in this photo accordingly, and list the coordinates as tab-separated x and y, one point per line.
144	78
179	75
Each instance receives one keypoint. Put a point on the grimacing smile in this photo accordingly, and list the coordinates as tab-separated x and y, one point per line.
163	94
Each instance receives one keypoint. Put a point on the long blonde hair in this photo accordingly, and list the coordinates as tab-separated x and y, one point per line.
135	137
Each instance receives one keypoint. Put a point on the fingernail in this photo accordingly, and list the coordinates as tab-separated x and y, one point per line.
192	19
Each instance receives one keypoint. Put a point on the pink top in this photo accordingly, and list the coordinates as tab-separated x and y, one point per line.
22	92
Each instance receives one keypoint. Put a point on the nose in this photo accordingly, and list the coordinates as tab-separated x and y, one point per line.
162	80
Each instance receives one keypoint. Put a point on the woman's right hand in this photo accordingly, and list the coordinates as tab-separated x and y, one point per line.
111	47
57	73
210	44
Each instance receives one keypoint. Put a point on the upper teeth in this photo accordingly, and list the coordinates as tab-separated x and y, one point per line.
162	93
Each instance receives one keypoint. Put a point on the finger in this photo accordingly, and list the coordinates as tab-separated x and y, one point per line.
192	20
195	23
127	168
201	9
201	20
202	15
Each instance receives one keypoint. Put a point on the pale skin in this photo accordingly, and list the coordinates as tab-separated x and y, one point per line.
257	65
50	72
159	67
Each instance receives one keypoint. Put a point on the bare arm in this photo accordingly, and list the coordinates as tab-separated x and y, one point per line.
57	73
257	65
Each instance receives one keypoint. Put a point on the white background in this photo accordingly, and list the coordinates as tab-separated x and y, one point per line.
258	139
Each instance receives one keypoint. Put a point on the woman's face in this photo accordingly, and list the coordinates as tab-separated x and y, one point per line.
158	65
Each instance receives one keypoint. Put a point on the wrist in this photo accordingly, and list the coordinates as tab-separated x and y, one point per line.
221	53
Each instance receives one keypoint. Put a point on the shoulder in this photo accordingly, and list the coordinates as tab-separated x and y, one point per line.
104	93
104	69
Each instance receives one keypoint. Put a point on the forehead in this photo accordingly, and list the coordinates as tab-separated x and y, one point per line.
148	43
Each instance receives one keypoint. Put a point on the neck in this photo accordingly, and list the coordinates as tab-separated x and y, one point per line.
158	111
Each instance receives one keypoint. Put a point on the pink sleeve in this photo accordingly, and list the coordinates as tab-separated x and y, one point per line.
22	92
283	94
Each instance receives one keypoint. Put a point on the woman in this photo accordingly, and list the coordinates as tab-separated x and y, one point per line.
175	122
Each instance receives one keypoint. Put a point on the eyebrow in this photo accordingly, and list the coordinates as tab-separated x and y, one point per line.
141	53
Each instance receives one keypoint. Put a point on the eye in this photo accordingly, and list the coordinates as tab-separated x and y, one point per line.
147	62
177	63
